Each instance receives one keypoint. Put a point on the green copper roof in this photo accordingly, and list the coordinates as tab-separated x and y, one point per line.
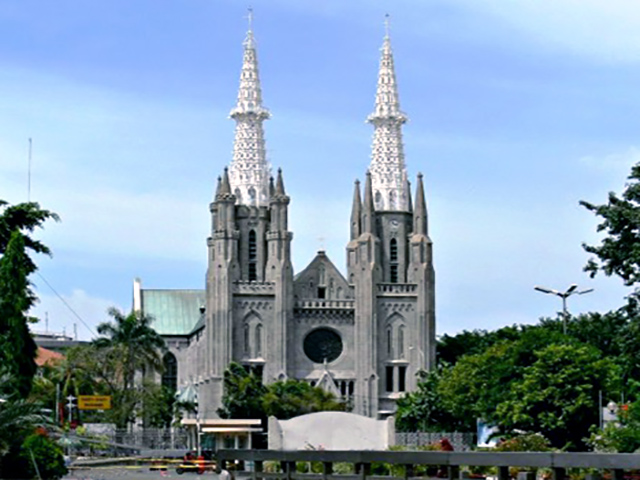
175	312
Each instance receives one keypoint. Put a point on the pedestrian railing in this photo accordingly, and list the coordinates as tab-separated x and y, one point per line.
450	463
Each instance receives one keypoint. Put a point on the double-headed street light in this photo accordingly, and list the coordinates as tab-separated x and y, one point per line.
572	290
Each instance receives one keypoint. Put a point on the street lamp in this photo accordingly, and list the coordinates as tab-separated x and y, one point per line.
572	290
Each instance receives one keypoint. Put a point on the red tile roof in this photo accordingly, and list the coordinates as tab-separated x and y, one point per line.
47	357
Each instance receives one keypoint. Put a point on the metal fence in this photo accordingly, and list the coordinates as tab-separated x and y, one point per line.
362	462
461	441
152	438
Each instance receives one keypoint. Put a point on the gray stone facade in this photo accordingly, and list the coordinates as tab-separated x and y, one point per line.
363	337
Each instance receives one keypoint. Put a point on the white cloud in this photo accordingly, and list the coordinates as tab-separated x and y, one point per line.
608	31
91	310
603	30
118	222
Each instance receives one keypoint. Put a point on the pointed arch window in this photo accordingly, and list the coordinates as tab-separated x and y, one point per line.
401	341
246	339
253	256
170	374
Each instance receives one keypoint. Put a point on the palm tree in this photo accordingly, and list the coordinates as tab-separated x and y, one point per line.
17	416
137	346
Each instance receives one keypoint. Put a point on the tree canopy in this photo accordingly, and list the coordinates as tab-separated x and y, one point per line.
245	396
619	251
25	218
127	345
530	378
17	348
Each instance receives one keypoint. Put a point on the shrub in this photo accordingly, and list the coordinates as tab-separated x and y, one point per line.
46	454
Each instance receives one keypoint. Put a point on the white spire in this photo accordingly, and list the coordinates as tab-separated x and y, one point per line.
388	172
249	171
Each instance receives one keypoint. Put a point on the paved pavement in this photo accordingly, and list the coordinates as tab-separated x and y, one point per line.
134	473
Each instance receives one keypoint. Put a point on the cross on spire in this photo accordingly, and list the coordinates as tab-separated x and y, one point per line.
321	240
250	18
386	25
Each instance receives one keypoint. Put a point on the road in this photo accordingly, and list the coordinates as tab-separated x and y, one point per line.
134	473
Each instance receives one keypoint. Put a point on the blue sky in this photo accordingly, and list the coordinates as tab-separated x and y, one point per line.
517	111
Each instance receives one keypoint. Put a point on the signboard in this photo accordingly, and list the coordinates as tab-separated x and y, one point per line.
94	402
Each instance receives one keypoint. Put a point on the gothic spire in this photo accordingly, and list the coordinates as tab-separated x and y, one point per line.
218	186
367	223
249	171
280	184
356	212
224	186
420	212
387	168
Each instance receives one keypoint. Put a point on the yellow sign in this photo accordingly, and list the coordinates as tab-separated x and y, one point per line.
94	402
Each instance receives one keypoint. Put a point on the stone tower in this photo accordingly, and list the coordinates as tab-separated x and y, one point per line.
249	278
389	263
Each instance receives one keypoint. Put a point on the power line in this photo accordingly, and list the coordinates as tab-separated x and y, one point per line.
66	303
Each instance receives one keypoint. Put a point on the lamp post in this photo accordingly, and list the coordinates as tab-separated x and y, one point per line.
572	290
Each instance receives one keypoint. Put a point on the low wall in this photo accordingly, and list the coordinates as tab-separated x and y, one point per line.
331	431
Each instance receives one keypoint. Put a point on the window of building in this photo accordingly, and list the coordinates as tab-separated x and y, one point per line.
322	344
402	374
393	274
389	379
393	260
253	256
258	341
170	375
322	292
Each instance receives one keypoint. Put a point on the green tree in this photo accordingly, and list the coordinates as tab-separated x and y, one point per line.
291	398
622	436
619	252
557	395
245	396
158	407
243	392
451	347
18	417
474	387
17	347
24	217
47	455
423	410
476	384
128	345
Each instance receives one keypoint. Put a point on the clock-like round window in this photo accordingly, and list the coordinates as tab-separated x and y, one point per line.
322	344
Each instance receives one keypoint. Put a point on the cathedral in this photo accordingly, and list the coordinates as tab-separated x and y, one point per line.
362	336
